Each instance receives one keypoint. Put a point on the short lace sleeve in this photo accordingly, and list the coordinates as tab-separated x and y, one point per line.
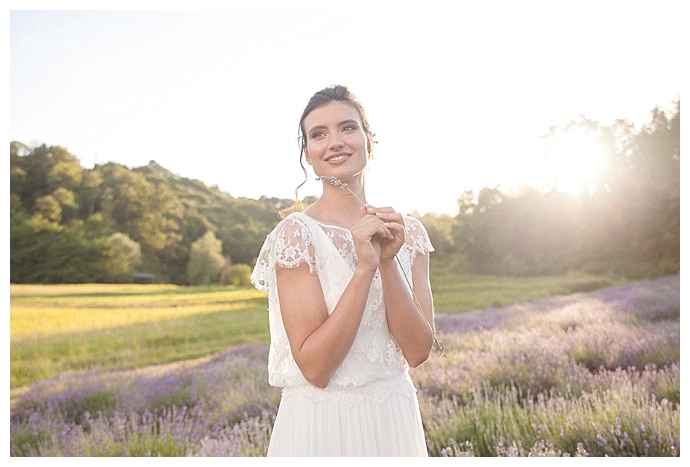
417	240
288	245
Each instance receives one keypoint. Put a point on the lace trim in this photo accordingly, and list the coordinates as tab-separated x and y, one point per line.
289	245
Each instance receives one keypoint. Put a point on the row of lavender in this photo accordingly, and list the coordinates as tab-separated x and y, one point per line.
593	374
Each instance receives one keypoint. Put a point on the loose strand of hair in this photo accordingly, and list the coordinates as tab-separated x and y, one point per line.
297	204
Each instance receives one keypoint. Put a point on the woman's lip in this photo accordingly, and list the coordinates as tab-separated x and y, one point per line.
337	157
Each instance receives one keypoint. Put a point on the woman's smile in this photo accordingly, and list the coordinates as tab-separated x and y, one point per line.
338	158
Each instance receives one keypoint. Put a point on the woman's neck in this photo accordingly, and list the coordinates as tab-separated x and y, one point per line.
338	206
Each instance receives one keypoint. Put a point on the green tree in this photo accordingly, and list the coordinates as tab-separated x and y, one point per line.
46	252
238	274
68	202
124	254
48	208
138	208
476	232
440	229
90	189
205	260
40	171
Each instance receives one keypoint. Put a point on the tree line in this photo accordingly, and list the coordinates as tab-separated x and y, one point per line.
112	223
115	224
625	222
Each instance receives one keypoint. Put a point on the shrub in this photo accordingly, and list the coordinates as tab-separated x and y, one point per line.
239	275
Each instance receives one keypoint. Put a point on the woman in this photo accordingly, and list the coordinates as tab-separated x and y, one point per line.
344	324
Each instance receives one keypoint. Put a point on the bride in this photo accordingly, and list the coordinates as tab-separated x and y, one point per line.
346	323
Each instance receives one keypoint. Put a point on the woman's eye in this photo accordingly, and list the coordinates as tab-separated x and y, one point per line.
349	128
317	134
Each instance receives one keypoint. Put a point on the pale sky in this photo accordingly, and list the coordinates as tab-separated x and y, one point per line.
457	97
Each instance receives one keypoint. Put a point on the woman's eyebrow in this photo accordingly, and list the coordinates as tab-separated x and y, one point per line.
348	121
344	122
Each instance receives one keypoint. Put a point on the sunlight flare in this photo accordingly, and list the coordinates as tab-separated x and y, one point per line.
573	160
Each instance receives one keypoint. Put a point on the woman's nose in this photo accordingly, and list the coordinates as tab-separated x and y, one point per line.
335	141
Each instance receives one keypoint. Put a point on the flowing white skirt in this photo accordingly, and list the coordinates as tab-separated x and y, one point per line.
379	419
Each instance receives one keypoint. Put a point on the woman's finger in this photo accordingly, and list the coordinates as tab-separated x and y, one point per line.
391	217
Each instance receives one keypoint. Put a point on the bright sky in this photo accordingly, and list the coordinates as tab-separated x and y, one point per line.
457	97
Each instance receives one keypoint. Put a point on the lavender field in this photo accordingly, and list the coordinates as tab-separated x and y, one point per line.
589	374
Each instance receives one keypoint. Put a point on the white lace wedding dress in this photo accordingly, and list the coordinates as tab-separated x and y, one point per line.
370	406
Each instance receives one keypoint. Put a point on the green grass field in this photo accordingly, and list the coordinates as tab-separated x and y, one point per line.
467	293
58	328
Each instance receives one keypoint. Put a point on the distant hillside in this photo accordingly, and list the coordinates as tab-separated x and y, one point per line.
63	217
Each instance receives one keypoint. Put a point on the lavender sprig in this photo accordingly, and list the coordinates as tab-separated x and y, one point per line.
333	181
343	186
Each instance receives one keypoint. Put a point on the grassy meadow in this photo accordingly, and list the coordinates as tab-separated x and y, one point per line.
550	366
108	327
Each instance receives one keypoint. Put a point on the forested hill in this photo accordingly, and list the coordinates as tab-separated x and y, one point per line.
73	225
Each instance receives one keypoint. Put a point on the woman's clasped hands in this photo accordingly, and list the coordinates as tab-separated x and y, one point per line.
378	236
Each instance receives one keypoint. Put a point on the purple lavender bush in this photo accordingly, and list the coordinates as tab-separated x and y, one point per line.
221	407
590	374
593	374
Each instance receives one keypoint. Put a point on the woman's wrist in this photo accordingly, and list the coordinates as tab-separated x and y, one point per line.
365	272
386	263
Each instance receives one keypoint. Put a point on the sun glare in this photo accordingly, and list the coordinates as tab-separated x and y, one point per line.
572	161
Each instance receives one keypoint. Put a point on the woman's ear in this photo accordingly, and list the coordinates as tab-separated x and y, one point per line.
370	144
307	157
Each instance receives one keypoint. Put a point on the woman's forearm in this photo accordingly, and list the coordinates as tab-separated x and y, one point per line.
405	322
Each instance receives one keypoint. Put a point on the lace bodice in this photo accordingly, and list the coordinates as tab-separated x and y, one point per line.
329	252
